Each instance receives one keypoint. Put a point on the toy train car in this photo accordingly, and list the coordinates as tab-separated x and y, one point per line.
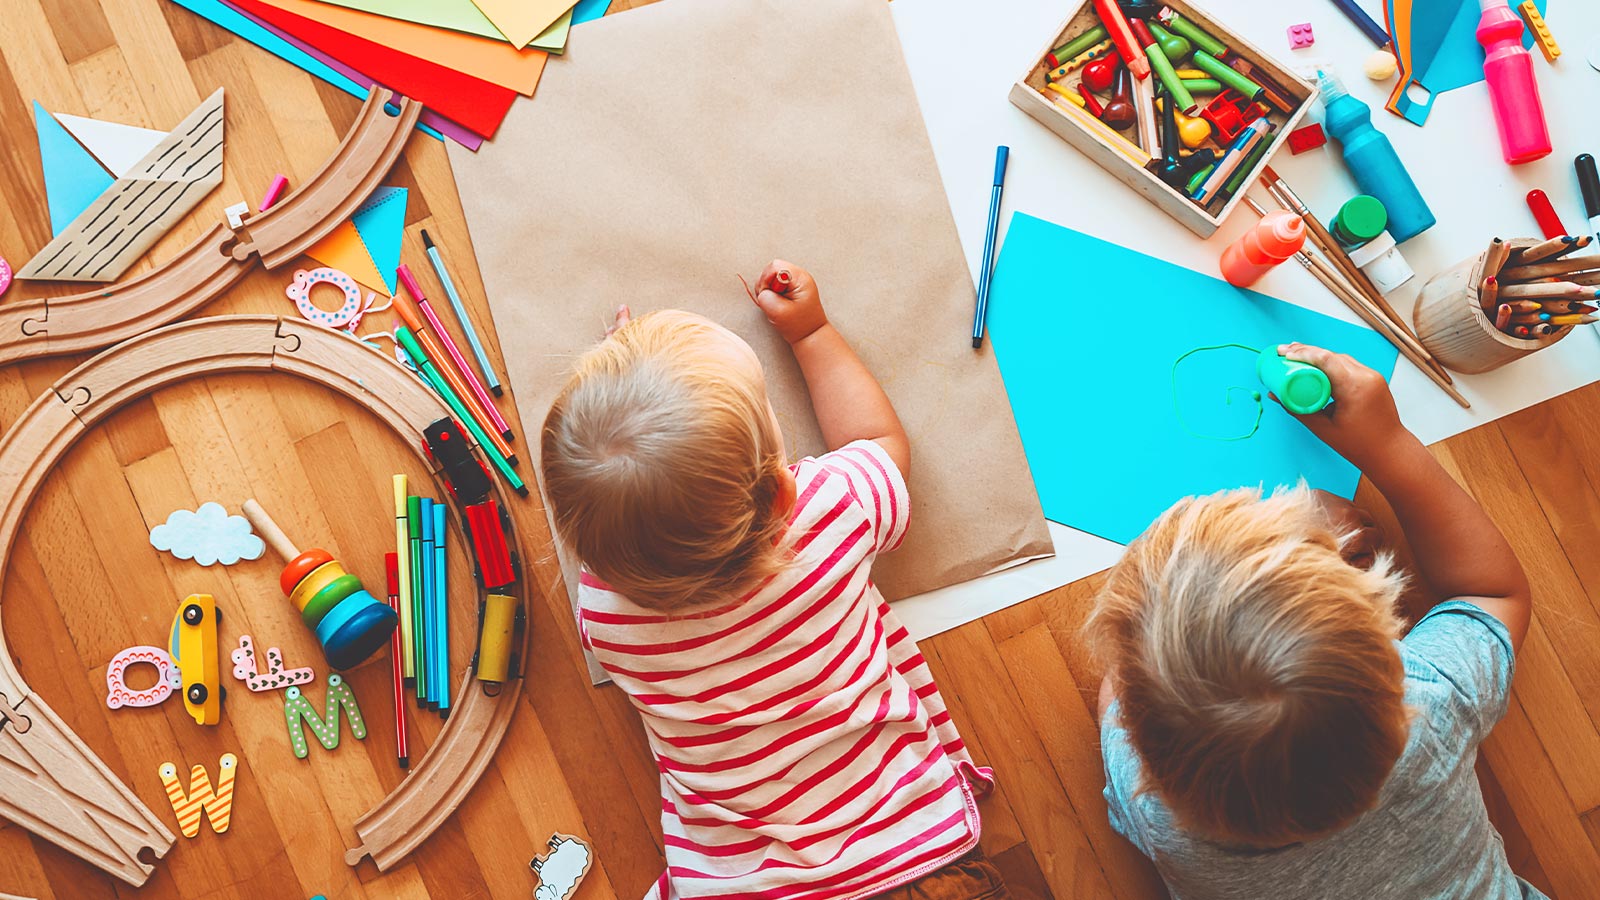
495	564
194	649
464	475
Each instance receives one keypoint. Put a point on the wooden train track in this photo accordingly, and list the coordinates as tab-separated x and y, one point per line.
96	319
51	783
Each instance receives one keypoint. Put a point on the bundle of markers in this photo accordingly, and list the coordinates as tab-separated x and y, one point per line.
1205	150
1539	290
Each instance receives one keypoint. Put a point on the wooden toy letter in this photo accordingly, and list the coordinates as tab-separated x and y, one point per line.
218	804
246	668
326	727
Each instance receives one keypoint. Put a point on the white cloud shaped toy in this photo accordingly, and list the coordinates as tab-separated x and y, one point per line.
208	536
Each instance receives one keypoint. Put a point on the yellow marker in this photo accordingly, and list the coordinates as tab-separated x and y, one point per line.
1541	31
1192	73
402	546
1069	93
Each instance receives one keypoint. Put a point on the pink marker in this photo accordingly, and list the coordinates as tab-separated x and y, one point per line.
1508	68
437	327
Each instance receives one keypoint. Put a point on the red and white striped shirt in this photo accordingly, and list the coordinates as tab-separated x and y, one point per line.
804	750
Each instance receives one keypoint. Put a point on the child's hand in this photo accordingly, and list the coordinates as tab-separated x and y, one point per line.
796	311
1362	423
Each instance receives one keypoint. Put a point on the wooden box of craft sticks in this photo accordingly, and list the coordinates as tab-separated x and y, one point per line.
1086	133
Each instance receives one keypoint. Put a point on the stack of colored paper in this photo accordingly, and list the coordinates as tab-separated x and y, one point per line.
466	61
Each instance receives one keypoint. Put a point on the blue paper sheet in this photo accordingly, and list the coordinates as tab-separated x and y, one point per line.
1087	334
589	10
73	178
1445	53
381	222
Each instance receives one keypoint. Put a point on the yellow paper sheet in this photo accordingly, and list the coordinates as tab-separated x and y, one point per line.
522	20
492	60
783	128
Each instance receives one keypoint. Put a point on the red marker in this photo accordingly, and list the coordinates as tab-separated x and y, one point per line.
1545	215
391	564
782	282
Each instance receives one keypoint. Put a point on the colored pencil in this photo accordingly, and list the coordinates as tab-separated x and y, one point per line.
1495	261
402	549
1489	293
1558	290
1259	130
1554	267
436	327
441	606
1001	155
429	585
419	625
391	567
1502	316
1573	320
462	319
1544	250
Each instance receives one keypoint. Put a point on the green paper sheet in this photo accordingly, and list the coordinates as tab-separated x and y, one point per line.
457	15
1088	336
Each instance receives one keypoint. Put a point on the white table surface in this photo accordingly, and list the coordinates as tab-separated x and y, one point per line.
963	59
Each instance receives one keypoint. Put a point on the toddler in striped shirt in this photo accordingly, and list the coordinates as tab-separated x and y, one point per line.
804	751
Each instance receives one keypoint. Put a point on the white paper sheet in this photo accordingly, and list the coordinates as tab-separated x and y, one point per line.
964	58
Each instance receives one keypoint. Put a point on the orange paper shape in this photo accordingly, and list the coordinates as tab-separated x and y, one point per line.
493	61
523	20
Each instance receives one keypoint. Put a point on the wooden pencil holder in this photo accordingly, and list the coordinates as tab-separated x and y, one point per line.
1452	325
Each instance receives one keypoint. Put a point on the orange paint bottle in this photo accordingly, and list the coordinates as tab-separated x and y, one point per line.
1278	236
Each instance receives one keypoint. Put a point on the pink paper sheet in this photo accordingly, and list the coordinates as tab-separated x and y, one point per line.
430	118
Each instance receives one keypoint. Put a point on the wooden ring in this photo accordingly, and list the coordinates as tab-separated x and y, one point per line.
37	441
320	577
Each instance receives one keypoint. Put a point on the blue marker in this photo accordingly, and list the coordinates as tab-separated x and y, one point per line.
484	366
1001	155
441	607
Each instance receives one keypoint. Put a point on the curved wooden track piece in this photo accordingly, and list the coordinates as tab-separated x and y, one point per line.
50	782
99	318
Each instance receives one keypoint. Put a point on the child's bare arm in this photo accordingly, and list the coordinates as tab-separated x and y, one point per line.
848	400
1457	548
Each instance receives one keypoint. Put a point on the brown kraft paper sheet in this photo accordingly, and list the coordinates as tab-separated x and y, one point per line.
683	143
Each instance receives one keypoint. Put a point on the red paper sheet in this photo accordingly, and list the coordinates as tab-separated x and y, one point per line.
472	102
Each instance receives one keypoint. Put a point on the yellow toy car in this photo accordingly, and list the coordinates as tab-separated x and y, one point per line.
194	650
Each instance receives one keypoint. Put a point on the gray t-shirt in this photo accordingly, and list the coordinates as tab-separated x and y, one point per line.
1428	837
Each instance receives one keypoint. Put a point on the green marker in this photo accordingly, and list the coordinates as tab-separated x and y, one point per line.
418	583
1301	387
1198	179
1245	168
1202	85
408	342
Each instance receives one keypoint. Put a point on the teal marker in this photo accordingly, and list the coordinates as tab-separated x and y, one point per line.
429	599
460	309
1301	387
441	605
419	359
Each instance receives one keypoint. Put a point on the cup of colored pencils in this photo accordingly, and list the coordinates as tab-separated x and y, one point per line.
1515	298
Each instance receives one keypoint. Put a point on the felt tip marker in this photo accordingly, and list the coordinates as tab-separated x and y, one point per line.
1002	155
1589	184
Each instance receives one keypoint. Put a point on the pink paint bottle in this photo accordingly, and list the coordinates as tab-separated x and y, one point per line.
1508	68
1278	236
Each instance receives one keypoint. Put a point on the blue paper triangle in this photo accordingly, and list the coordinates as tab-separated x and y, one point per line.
72	176
381	222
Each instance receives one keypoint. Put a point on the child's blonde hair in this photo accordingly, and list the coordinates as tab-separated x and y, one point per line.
1256	670
663	464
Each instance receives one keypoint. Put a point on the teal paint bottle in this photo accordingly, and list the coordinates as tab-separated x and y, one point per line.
1301	387
1372	160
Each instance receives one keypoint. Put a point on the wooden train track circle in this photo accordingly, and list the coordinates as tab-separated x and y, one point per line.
51	783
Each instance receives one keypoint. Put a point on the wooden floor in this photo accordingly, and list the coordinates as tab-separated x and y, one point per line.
84	582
